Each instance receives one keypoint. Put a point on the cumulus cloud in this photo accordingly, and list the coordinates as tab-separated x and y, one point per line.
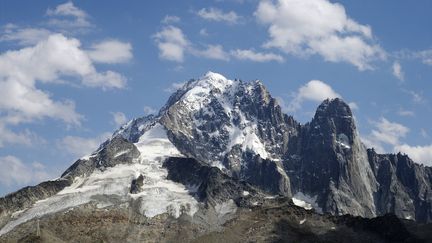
212	52
387	134
14	172
68	16
254	56
171	43
48	61
419	154
314	90
23	36
111	51
81	146
215	14
397	71
119	118
320	27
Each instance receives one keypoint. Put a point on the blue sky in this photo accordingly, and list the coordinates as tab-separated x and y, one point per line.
73	72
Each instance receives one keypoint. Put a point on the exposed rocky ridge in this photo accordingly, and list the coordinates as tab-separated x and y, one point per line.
27	196
114	151
235	138
275	220
404	186
324	158
210	184
220	121
332	162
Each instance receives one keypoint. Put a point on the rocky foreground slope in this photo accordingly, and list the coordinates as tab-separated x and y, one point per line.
221	161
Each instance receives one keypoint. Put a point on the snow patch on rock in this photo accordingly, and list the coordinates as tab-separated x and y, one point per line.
305	201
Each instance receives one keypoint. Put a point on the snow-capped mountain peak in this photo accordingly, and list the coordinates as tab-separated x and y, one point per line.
239	128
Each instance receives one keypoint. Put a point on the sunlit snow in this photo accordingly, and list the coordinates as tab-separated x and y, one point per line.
305	201
159	195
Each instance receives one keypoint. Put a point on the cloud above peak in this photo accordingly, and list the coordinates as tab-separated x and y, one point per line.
314	90
171	43
310	27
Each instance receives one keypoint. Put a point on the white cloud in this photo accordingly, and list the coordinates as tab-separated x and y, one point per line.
170	19
105	80
397	71
385	133
252	55
403	112
318	27
46	62
214	14
415	96
388	133
174	87
8	136
111	51
314	90
119	118
171	43
353	106
24	36
371	143
148	110
424	56
67	15
80	146
419	154
212	52
14	172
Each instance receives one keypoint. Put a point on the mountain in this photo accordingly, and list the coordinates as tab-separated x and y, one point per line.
221	159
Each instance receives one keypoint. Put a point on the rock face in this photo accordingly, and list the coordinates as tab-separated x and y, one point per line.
404	186
332	162
211	185
219	146
114	151
241	129
224	123
27	196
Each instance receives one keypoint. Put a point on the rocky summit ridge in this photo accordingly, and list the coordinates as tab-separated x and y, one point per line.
219	147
